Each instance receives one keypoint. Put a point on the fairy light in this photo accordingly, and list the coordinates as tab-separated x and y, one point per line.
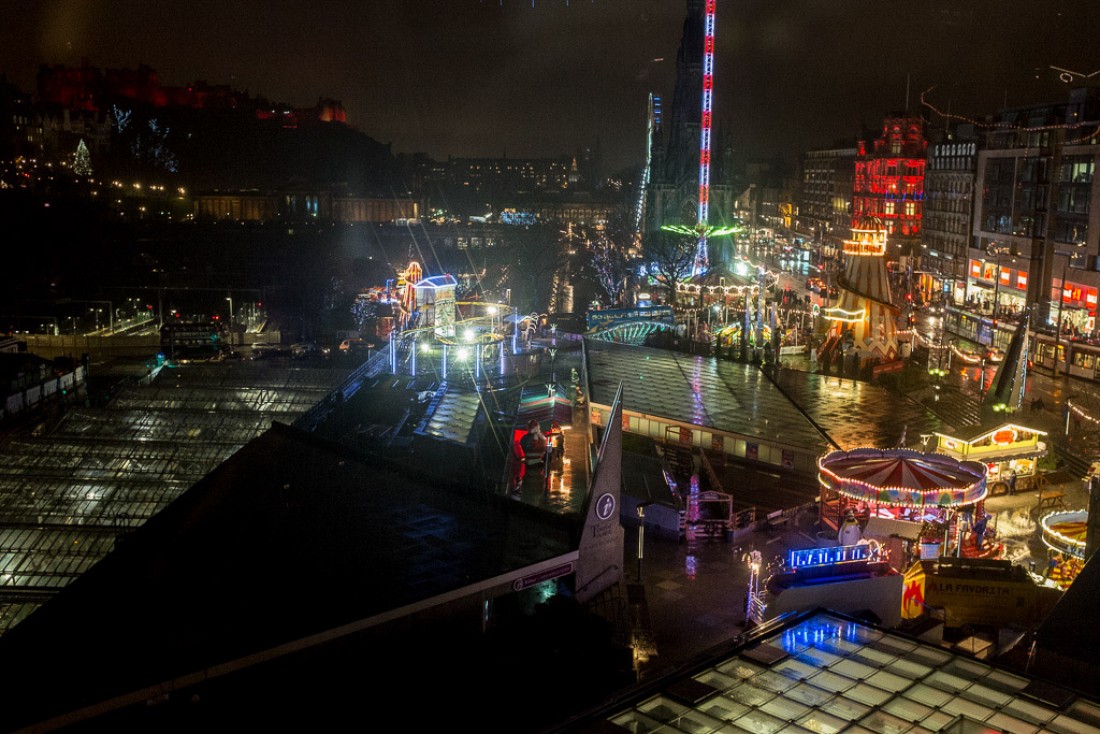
901	496
1008	126
1077	411
848	317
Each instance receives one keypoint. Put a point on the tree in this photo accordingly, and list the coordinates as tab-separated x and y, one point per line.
537	255
669	257
82	160
610	262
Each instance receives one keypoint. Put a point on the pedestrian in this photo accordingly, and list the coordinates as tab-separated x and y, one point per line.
1011	482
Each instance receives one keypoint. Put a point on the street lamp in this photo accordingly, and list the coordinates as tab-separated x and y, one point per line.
230	299
1061	300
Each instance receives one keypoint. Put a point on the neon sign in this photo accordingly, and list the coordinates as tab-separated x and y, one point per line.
812	557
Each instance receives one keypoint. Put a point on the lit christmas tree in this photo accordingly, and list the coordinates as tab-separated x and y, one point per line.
82	164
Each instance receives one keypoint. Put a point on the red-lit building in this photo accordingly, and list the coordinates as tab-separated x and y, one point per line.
87	88
888	187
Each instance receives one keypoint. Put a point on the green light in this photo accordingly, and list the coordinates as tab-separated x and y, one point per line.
701	230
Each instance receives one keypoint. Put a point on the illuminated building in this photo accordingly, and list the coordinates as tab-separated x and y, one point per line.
1035	231
299	205
888	188
948	208
87	88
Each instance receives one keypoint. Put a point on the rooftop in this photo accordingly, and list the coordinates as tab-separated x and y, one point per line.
291	542
827	673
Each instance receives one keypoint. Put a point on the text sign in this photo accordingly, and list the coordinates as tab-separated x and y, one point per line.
537	578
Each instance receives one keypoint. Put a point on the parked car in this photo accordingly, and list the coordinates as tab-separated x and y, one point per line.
260	350
304	350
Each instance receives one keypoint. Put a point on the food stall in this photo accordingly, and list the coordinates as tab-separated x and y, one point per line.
1008	449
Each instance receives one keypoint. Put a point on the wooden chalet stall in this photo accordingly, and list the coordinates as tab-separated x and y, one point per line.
1008	449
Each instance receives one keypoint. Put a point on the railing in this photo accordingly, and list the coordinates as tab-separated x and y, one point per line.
313	417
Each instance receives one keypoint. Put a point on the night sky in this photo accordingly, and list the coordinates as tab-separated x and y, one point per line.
466	77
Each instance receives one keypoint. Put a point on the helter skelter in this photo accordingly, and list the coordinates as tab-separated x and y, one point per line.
865	317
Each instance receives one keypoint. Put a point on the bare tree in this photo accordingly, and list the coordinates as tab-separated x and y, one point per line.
537	254
669	257
609	261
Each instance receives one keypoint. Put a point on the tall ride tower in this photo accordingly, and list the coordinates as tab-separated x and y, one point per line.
702	261
690	188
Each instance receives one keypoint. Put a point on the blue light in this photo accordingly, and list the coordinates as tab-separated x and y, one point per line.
811	557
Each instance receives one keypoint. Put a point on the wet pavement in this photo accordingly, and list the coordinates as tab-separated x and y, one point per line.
695	591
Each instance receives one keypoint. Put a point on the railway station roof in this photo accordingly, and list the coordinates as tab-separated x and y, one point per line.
824	672
71	490
292	542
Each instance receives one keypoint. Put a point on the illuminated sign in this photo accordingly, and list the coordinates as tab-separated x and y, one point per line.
812	557
517	218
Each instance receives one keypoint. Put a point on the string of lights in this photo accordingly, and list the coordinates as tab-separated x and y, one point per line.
1010	126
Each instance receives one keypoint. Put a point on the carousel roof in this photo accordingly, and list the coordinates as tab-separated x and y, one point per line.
903	468
904	476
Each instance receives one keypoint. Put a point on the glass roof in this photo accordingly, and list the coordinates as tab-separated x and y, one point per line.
702	391
68	493
829	675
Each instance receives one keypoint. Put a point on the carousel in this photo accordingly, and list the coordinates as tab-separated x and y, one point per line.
1064	534
942	497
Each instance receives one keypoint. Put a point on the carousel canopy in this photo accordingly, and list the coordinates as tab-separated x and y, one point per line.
903	477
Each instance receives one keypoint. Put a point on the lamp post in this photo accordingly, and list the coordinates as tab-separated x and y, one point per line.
230	299
1061	300
641	535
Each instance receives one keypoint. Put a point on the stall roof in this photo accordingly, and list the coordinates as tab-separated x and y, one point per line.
971	434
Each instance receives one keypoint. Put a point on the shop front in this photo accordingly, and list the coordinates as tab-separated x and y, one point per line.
1077	310
990	284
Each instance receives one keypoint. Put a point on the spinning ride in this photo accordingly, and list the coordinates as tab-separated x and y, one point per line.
1065	534
944	494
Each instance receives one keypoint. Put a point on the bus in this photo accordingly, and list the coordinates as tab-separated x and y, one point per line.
194	339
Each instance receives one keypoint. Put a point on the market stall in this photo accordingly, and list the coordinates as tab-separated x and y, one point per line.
1009	450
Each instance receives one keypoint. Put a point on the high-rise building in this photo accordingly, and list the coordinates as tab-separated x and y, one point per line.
1036	230
948	212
